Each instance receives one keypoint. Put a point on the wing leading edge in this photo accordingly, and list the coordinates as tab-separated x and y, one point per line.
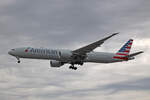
92	46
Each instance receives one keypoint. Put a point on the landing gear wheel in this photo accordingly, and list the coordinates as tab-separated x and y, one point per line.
18	61
75	68
72	67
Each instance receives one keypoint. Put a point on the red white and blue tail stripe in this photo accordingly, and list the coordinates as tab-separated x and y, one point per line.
124	51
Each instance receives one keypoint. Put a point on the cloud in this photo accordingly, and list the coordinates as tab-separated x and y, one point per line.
71	24
136	85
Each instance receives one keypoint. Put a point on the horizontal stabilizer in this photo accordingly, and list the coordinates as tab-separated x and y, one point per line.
134	54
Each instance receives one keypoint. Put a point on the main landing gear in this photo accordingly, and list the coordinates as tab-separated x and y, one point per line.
73	63
72	67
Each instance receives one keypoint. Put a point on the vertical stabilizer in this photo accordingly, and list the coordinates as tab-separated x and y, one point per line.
124	51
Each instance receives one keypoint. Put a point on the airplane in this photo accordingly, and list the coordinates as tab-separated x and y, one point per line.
59	57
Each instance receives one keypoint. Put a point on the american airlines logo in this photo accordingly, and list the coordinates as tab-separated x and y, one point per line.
43	51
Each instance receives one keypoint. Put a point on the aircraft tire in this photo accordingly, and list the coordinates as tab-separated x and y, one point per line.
18	61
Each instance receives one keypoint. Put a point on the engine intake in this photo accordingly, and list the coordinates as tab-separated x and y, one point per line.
54	63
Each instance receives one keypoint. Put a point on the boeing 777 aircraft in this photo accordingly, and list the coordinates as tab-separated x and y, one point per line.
59	57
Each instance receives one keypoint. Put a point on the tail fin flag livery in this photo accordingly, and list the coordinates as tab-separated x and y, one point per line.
124	51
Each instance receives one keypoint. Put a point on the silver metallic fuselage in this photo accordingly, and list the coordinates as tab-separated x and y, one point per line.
61	55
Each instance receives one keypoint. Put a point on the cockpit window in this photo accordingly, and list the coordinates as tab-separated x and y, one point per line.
13	49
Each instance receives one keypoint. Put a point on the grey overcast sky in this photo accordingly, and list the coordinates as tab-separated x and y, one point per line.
70	24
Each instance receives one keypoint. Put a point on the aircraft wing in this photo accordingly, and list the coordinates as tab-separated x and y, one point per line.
92	46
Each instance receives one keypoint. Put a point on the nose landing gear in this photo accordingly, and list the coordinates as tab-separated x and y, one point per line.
18	60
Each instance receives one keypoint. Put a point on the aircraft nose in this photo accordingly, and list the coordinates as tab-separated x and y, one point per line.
10	52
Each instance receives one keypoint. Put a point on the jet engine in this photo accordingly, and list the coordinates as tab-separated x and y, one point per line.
54	63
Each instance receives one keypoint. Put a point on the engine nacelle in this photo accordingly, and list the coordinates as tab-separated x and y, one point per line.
55	63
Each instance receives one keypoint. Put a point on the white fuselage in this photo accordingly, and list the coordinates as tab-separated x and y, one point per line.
61	55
